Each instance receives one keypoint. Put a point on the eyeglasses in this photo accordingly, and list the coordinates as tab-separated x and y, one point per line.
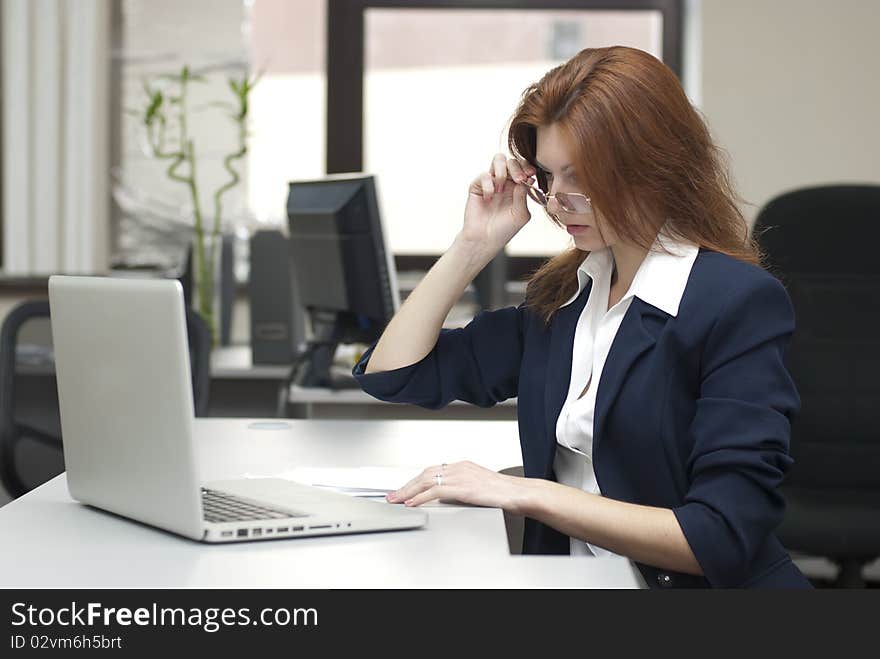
570	202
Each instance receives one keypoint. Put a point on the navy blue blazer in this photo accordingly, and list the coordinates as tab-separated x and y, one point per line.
692	412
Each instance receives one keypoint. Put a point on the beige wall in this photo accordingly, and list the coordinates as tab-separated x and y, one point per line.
791	88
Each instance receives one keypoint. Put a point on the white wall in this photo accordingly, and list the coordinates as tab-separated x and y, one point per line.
791	88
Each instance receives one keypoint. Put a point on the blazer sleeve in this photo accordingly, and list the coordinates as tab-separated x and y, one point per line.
740	434
477	364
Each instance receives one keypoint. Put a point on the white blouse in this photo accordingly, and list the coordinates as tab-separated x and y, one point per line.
660	281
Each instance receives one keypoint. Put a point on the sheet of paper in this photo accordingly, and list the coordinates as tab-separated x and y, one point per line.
356	481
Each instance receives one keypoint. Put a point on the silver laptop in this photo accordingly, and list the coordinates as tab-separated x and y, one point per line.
127	421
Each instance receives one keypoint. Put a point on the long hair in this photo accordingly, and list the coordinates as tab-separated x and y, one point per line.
643	154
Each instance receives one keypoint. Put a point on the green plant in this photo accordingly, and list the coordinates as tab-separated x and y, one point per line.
169	113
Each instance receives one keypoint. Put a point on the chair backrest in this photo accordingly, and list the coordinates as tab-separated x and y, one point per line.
820	242
30	428
41	398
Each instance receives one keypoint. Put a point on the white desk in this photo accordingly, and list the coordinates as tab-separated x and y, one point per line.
50	540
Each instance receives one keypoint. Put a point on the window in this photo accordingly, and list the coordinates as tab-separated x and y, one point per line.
437	101
416	97
288	47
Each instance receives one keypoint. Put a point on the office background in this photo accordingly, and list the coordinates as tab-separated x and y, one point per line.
789	88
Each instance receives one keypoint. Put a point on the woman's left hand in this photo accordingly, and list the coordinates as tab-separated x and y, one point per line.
465	482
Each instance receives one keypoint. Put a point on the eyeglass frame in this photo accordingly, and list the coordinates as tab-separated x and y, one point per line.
533	191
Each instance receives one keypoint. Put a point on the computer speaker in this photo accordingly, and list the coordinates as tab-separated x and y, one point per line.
277	320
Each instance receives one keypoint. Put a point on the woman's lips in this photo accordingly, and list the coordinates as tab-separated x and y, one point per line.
575	229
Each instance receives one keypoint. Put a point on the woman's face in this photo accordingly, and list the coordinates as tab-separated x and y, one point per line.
589	230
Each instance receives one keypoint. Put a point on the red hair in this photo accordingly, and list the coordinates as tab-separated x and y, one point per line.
642	153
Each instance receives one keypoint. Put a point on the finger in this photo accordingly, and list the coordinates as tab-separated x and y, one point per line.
476	186
436	492
423	481
499	166
499	170
411	486
419	484
520	207
488	186
410	490
520	192
517	172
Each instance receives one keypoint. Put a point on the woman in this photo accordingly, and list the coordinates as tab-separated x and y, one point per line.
653	402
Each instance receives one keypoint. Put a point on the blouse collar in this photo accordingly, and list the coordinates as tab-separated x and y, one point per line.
660	280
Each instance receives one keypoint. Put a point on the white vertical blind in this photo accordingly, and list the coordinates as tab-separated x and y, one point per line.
56	136
86	222
17	65
47	103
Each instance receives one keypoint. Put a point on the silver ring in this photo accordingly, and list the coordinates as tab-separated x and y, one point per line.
438	478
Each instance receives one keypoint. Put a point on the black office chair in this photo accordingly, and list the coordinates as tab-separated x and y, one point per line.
30	428
822	243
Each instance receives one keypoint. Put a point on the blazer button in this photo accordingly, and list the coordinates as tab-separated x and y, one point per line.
664	580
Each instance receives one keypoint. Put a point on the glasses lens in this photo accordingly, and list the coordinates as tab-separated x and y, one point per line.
537	195
554	217
574	203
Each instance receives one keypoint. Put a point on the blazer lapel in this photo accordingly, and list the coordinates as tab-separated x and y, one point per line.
638	333
559	367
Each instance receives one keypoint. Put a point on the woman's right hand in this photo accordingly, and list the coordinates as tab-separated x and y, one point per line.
496	207
496	210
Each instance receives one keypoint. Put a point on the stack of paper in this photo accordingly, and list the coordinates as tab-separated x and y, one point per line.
355	481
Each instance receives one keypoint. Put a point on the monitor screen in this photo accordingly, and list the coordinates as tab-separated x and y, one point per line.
340	261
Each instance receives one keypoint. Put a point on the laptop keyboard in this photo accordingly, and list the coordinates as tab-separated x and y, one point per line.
223	507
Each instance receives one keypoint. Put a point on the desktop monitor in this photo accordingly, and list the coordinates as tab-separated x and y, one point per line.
342	269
